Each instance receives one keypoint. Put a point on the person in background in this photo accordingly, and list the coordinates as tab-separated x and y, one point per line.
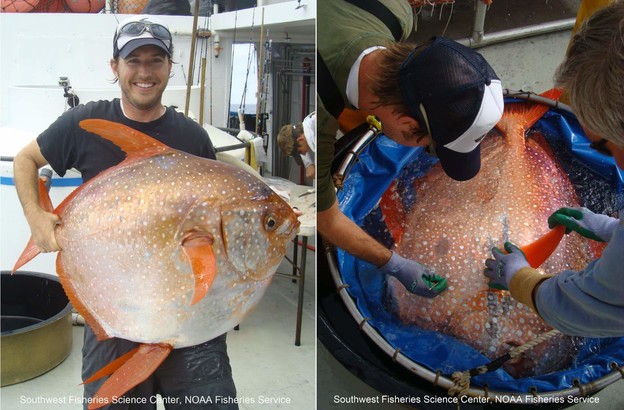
141	64
439	94
589	302
299	141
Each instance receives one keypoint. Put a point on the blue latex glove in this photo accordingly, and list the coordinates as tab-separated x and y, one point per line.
501	269
416	278
593	226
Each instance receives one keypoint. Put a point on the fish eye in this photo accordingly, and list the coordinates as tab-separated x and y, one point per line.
270	222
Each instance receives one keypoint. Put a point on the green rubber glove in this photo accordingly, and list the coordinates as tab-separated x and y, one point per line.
588	224
416	278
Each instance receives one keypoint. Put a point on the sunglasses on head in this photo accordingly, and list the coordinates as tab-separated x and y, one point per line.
601	147
137	28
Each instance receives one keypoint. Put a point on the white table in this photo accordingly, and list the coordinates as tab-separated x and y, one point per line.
303	198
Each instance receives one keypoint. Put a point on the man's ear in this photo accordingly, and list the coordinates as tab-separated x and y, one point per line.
405	119
411	123
113	65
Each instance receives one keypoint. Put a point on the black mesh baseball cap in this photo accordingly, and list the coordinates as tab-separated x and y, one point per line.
453	92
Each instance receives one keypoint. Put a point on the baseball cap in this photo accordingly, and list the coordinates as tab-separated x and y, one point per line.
309	130
139	31
453	92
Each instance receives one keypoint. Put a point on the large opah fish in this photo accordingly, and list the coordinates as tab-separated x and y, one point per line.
166	249
453	226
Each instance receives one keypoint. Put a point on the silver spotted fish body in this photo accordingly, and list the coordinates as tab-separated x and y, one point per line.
121	237
452	229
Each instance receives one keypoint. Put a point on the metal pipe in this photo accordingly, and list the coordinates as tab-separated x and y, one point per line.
189	80
295	72
260	72
479	23
518	33
202	90
531	96
232	147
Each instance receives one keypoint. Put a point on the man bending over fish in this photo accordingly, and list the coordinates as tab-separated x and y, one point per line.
589	302
141	63
440	94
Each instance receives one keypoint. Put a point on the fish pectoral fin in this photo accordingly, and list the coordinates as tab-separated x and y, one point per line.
135	369
198	249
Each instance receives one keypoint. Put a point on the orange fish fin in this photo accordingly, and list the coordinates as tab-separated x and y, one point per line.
111	367
44	197
537	252
135	144
394	216
134	371
553	93
27	255
530	112
537	111
31	250
198	249
72	295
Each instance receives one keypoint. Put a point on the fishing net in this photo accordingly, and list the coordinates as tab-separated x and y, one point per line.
85	6
50	6
18	6
433	355
130	6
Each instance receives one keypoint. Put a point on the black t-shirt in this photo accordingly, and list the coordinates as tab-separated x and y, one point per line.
65	145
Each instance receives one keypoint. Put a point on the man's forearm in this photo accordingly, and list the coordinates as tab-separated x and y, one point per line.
335	227
42	223
25	170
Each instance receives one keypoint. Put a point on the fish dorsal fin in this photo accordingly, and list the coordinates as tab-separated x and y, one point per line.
536	111
521	116
134	143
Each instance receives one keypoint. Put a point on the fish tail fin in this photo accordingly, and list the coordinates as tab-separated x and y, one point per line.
133	371
31	250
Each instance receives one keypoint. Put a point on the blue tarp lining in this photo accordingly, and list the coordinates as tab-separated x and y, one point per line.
384	161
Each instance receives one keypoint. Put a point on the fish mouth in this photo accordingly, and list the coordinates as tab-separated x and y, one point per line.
294	228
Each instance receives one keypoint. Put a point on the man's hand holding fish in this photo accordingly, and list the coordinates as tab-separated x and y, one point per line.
504	266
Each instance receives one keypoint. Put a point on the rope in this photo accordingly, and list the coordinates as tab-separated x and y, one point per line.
615	367
461	380
338	181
